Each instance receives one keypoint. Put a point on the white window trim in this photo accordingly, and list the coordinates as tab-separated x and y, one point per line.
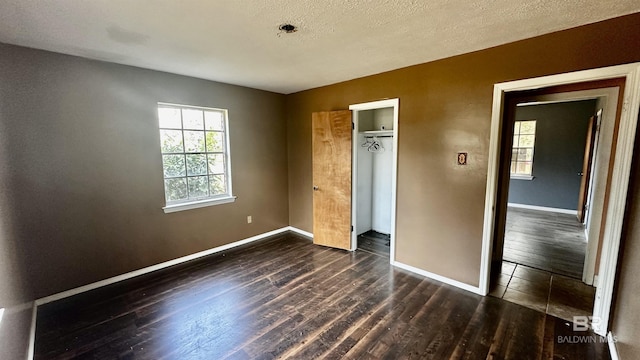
517	176
521	177
198	204
225	199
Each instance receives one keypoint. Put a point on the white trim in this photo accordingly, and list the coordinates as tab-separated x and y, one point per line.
492	189
380	104
446	280
228	196
18	308
146	270
521	177
32	333
299	231
543	208
613	350
132	274
386	103
619	180
198	204
617	197
32	328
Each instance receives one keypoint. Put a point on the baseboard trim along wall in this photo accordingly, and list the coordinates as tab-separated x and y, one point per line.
543	208
156	267
613	350
18	308
446	280
146	270
31	350
301	232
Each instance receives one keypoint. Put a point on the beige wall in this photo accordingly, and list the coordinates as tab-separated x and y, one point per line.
80	171
81	174
445	107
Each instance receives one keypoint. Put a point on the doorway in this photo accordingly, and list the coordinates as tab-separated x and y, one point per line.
544	242
592	182
550	178
617	184
374	164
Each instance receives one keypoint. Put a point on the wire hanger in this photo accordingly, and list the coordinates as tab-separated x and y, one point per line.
367	142
376	146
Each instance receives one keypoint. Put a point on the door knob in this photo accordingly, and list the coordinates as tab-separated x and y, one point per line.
315	188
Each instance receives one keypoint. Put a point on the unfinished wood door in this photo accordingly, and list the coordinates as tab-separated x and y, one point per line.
586	169
331	142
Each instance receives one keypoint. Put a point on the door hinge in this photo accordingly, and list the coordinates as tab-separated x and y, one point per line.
351	228
353	126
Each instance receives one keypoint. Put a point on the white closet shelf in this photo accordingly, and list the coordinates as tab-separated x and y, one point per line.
377	132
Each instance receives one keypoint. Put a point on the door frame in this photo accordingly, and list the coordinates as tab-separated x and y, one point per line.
355	108
619	181
601	159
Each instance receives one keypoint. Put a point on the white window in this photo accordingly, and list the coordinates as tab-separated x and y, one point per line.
524	138
194	143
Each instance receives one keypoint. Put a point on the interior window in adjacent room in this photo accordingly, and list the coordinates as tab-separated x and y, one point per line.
524	138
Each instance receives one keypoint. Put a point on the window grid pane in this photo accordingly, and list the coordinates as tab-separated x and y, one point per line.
194	153
523	147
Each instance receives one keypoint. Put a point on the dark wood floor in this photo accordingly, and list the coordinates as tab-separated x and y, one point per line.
544	240
287	298
374	242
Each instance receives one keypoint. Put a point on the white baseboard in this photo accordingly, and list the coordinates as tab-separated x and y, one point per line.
446	280
32	329
301	232
18	308
613	350
132	274
32	333
543	208
156	267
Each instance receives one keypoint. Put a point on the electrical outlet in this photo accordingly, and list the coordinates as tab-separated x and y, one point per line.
249	219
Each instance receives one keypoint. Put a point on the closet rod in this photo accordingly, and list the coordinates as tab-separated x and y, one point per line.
377	136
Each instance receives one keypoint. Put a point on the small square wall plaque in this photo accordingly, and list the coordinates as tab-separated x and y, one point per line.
462	158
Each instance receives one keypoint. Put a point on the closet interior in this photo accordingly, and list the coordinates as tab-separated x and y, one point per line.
374	186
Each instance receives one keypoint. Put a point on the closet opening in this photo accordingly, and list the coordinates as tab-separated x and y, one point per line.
374	157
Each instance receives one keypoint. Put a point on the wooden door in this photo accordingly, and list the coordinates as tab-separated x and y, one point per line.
586	169
331	142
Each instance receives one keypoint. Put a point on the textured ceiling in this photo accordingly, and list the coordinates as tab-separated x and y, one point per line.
238	41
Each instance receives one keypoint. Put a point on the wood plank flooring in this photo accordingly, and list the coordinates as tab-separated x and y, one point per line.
287	298
375	242
544	240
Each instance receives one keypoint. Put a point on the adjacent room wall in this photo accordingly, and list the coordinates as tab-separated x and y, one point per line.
81	173
561	133
445	107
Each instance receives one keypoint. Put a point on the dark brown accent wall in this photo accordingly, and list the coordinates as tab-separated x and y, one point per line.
445	107
81	184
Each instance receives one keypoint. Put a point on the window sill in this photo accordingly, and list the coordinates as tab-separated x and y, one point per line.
522	177
198	204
